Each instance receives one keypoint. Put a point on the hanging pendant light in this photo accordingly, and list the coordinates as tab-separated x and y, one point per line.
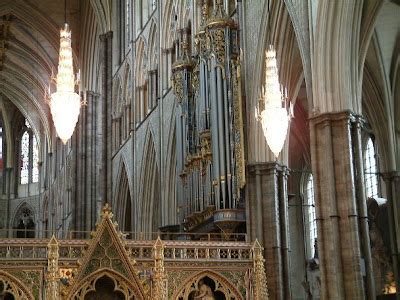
65	103
274	118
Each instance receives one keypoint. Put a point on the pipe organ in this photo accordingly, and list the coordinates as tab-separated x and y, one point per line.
209	124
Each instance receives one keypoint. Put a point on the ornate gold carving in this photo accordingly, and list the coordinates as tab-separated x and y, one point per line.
14	287
220	17
177	84
53	274
32	279
259	278
178	68
197	286
219	44
195	78
145	268
159	278
197	218
107	255
204	12
205	143
238	126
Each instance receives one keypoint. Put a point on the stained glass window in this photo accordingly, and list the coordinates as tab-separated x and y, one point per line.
311	216
25	158
35	160
371	170
29	156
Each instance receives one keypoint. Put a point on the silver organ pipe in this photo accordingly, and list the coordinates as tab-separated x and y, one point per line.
207	89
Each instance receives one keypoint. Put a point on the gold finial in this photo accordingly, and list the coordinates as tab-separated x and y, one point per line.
53	241
106	212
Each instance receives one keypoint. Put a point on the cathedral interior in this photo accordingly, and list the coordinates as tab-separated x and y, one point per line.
199	149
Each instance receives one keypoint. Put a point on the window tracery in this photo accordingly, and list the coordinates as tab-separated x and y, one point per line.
310	215
29	156
25	158
24	223
371	170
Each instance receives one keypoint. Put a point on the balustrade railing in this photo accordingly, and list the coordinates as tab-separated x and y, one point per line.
72	249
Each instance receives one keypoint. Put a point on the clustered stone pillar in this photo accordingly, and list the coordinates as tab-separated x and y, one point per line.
85	160
267	221
341	215
392	180
106	94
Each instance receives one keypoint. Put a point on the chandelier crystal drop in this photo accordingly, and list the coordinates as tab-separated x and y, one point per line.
65	103
274	118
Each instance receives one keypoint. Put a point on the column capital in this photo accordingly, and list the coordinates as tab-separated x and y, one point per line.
344	115
105	36
267	167
109	34
92	93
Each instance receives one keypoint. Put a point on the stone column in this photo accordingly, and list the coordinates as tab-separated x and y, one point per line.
267	221
106	94
80	204
89	136
392	180
336	206
361	201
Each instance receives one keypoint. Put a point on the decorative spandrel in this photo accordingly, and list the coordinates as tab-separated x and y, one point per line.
106	256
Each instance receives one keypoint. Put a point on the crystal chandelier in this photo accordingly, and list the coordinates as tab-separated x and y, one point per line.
274	118
65	103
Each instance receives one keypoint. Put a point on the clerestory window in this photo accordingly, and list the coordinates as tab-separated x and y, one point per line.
371	170
310	215
29	156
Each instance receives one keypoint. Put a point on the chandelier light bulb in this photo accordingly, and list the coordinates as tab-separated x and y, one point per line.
65	103
274	118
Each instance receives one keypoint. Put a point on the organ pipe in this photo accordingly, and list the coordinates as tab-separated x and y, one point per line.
209	119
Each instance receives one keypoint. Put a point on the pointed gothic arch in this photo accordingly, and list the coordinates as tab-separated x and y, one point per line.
168	26
91	286
221	285
24	221
107	257
150	200
13	287
169	203
123	201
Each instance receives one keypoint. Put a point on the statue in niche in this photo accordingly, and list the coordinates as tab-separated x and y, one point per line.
204	293
206	290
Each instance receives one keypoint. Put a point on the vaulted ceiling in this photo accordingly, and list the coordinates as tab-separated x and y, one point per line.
29	42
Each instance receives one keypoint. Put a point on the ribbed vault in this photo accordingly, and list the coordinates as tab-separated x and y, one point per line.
29	41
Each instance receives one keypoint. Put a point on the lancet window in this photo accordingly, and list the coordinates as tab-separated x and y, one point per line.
310	215
29	156
371	170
